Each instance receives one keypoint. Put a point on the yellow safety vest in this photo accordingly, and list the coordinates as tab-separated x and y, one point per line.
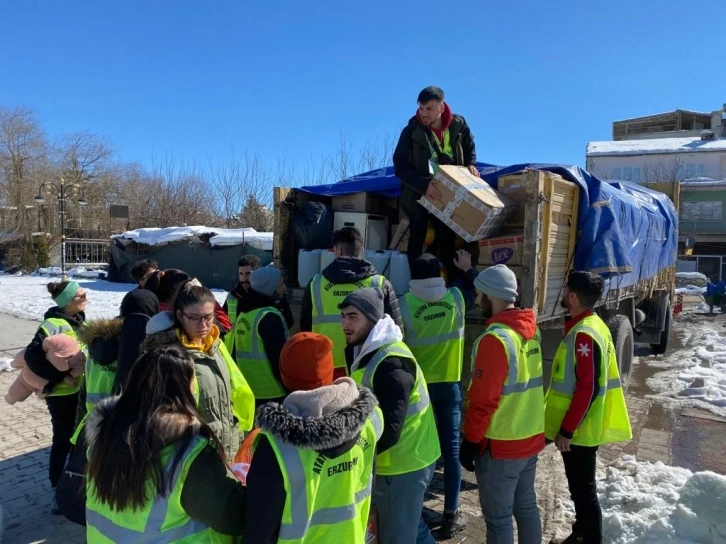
418	447
232	314
99	382
326	296
51	327
521	407
162	520
446	147
327	500
607	418
251	357
434	331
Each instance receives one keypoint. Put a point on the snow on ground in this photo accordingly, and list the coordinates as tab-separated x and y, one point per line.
27	297
652	502
695	376
222	237
5	365
691	290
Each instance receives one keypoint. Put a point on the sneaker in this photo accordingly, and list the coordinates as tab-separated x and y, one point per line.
452	524
54	505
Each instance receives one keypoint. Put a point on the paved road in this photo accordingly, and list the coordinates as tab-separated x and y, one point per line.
25	493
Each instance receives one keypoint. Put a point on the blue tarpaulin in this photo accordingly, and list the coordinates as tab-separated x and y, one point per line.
625	231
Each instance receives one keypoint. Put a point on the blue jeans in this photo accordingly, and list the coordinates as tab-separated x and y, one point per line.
446	402
506	489
399	502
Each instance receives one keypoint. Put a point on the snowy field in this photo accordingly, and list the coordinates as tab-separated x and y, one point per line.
26	297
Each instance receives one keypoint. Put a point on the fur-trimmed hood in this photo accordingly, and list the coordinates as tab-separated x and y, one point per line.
102	337
332	434
163	338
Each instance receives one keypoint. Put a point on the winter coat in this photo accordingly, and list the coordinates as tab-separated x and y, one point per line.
137	307
213	381
298	421
211	493
35	356
393	380
349	270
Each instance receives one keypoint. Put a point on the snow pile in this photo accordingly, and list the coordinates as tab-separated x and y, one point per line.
26	297
78	272
689	279
222	237
696	377
646	502
5	365
692	290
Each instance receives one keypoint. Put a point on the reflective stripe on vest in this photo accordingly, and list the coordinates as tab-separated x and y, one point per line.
150	520
437	343
51	327
418	446
251	357
308	519
326	315
607	418
520	413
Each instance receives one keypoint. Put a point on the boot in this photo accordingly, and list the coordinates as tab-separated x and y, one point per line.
452	525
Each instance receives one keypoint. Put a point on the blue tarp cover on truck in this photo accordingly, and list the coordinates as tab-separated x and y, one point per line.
626	231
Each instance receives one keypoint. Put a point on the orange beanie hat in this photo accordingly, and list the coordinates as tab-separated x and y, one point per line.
306	362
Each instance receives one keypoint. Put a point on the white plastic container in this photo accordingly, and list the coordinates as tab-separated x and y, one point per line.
380	259
308	264
326	257
400	273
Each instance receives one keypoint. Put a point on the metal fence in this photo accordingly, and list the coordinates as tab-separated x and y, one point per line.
87	252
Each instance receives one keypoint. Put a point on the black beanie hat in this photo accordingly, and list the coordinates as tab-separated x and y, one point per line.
425	267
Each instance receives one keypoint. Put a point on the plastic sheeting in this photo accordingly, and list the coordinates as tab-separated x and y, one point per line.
626	231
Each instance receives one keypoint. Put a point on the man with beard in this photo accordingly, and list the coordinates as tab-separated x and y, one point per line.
434	136
245	266
409	446
504	423
260	333
585	405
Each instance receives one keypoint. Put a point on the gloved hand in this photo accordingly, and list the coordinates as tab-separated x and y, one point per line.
467	453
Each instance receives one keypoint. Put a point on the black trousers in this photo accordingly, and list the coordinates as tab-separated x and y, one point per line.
444	243
580	465
63	418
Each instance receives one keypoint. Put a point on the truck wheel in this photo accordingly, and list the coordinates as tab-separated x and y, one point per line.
665	336
622	333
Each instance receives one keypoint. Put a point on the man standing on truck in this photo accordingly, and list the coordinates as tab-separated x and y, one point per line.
433	320
504	423
409	447
585	405
435	135
349	271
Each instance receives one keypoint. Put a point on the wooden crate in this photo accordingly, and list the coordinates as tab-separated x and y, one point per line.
548	214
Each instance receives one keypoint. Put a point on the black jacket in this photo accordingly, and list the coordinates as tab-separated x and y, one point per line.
413	152
392	385
271	329
350	270
282	305
35	354
331	435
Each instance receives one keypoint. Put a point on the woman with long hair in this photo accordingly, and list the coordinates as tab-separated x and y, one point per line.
224	398
66	317
156	471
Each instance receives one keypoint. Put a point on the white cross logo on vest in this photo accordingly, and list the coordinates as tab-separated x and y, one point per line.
583	350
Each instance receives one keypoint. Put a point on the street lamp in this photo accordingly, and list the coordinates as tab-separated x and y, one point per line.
62	191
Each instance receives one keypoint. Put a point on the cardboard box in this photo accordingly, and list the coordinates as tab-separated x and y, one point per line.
506	249
514	186
357	203
399	240
468	205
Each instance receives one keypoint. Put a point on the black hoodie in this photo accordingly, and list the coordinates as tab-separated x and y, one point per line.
330	435
35	354
350	270
271	328
283	305
137	307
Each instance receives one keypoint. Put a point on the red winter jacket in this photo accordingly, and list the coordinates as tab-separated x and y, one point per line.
489	374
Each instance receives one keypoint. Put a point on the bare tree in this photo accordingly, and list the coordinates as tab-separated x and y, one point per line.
661	170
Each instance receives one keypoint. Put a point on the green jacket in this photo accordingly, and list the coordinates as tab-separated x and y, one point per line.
412	154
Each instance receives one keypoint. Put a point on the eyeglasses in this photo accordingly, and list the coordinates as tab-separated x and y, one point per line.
197	319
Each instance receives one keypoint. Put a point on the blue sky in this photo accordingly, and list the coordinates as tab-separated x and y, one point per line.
535	80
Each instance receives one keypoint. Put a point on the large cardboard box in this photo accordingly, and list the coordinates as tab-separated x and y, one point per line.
468	205
399	240
357	203
505	249
515	187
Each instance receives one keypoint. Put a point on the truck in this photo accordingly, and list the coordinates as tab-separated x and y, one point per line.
571	220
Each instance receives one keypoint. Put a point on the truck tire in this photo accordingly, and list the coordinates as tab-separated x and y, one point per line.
623	340
665	336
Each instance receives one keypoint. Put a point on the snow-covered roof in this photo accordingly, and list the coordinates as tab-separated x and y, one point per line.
672	112
658	146
221	237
